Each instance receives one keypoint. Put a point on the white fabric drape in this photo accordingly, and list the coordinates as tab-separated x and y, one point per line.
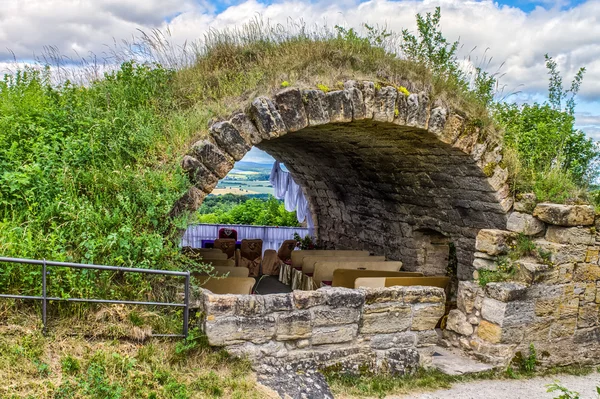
285	188
279	180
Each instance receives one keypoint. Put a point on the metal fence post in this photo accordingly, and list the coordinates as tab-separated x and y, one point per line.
186	309
44	296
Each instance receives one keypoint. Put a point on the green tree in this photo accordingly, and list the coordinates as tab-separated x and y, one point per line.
544	136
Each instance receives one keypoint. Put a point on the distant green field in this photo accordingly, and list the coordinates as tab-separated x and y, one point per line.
243	187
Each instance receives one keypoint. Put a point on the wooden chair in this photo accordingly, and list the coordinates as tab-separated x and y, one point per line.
227	246
297	256
225	232
208	256
285	251
379	282
229	271
229	285
324	269
347	277
272	261
308	262
220	262
250	255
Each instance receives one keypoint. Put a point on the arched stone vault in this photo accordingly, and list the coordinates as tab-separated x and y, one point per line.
376	166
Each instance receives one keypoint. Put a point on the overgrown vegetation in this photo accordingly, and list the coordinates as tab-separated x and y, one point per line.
553	159
520	247
240	209
62	366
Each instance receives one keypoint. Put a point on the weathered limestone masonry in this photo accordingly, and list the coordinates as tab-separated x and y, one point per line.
377	166
554	306
372	329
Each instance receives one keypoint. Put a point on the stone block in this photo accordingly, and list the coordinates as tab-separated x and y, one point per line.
437	120
493	242
563	327
229	139
266	118
216	160
368	92
508	314
539	331
359	109
547	307
525	203
506	291
316	107
586	272
457	322
588	315
525	224
421	294
427	338
386	318
565	215
529	271
395	340
485	264
334	334
489	332
570	235
277	302
592	256
308	299
562	253
417	110
397	361
291	108
344	297
568	308
426	316
339	106
323	316
380	295
452	128
293	326
218	304
587	336
385	104
246	128
199	175
234	329
466	296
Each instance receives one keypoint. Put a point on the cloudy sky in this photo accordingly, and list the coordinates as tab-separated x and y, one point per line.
517	33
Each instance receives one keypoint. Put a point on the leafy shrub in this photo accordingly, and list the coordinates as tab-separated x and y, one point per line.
83	178
252	211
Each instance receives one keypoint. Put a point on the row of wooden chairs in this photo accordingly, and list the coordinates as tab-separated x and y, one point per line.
351	269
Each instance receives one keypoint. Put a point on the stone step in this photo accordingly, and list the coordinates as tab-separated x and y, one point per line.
453	362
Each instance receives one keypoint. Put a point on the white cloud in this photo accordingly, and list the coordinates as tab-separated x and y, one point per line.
515	38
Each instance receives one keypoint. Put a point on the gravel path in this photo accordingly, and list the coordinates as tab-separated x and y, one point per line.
514	389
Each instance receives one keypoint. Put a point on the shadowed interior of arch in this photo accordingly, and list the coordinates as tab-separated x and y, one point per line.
373	185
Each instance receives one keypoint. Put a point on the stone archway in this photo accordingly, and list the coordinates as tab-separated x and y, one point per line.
375	164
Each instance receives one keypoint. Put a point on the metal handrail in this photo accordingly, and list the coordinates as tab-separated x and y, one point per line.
44	298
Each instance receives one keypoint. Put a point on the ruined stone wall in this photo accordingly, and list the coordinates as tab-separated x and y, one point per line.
554	303
380	329
375	164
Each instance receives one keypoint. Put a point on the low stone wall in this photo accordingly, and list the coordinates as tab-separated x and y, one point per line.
554	303
377	329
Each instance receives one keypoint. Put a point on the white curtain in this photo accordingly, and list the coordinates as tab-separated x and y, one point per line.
279	180
293	197
272	236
